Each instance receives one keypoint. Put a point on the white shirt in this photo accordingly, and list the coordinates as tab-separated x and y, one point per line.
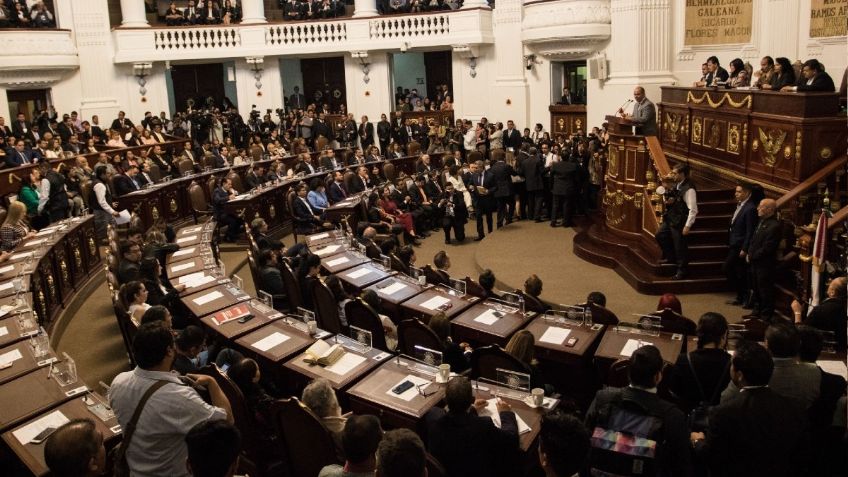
738	208
43	194
100	195
691	200
470	140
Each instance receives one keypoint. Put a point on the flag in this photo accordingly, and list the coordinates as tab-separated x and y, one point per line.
819	249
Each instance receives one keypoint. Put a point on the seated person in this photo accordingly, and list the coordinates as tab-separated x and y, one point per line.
160	291
259	230
75	449
320	398
246	375
487	281
597	298
270	277
407	258
317	196
14	229
563	444
703	373
360	438
372	250
829	315
456	355
190	342
401	454
813	78
133	297
442	263
128	268
256	177
371	298
307	274
223	194
337	191
533	288
213	449
306	218
671	302
158	314
466	443
522	347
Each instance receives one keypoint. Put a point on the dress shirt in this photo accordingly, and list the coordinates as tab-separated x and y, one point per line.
691	200
550	158
470	140
100	195
738	208
158	446
43	194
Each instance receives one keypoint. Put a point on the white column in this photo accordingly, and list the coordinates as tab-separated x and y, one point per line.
253	11
98	78
133	14
474	4
364	8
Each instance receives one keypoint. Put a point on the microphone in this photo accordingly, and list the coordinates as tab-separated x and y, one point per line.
621	109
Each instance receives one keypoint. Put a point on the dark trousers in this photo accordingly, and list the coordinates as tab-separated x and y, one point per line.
233	226
480	214
521	193
762	274
673	245
592	193
735	269
565	204
504	209
534	204
458	229
57	215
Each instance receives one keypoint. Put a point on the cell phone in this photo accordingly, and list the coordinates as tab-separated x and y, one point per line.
402	387
245	319
43	435
571	342
498	314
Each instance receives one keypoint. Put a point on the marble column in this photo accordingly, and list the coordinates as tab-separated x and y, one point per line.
364	8
253	11
133	14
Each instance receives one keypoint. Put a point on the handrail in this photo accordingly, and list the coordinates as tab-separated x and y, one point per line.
839	217
658	156
811	181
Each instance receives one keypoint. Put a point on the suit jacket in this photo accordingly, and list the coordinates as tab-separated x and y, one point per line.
645	118
116	124
123	185
304	167
564	176
219	198
829	315
743	226
483	203
372	251
366	135
358	185
764	427
384	132
471	445
327	163
127	271
321	128
303	214
271	281
511	139
336	192
254	181
297	101
502	173
821	82
764	243
64	131
14	159
532	169
163	161
18	128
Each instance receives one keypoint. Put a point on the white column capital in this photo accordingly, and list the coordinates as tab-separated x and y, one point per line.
253	11
133	14
364	8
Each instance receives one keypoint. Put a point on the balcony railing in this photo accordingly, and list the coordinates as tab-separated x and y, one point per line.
472	27
34	48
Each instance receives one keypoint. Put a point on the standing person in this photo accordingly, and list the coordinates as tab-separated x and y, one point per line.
532	169
564	180
366	134
454	214
762	258
101	201
644	115
502	175
384	134
480	183
679	217
742	226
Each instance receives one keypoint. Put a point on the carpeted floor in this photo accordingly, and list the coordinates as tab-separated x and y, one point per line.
93	340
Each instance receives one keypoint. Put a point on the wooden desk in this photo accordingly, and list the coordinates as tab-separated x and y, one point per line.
11	270
31	395
186	267
317	240
372	395
351	208
10	330
328	248
192	230
229	295
262	315
186	253
7	287
587	340
25	364
371	359
471	325
296	341
364	275
191	240
32	455
614	340
531	416
421	305
342	261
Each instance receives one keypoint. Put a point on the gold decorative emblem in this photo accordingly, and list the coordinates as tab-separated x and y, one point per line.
578	124
672	123
42	305
714	138
733	139
772	142
272	211
612	170
637	200
154	212
787	152
826	153
64	268
173	206
92	248
77	257
696	131
52	288
560	124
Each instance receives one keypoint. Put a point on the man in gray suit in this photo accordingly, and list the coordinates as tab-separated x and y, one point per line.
644	115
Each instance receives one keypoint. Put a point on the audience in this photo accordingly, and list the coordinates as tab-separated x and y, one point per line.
563	445
360	438
189	343
401	454
213	449
75	449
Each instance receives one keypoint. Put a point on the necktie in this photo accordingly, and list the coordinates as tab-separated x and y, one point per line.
482	175
24	159
135	184
344	193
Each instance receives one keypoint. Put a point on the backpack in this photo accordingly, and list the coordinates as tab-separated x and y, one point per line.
625	440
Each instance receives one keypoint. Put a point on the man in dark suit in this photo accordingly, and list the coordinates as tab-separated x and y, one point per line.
715	73
419	200
337	192
532	169
304	164
372	250
813	78
121	123
162	160
126	183
640	398
361	182
502	173
644	114
384	134
511	136
758	432
209	15
465	440
297	100
762	257
321	128
423	165
191	14
829	315
306	219
65	128
20	126
406	133
130	260
742	226
564	180
19	155
480	183
220	196
270	278
256	177
365	133
329	161
453	212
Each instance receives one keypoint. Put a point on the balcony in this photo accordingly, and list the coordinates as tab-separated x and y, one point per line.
36	57
566	28
472	27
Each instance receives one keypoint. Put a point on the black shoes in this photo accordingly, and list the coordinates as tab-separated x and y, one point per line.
479	238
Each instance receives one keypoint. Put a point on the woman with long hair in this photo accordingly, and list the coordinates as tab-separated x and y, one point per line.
133	297
701	375
784	75
389	207
14	229
522	347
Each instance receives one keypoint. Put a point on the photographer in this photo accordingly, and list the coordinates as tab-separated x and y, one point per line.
681	208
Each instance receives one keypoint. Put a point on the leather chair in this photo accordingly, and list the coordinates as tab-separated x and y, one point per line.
473	288
290	198
397	265
185	165
389	171
486	360
531	303
326	308
602	316
361	315
413	332
292	287
124	324
497	155
617	375
433	277
413	148
348	180
254	270
155	173
320	143
306	444
85	191
199	206
672	322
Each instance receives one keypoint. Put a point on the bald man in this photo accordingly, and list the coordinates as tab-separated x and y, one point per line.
644	115
762	257
829	315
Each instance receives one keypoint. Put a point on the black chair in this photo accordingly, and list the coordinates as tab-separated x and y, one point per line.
531	303
617	375
413	332
672	322
602	315
434	277
361	315
326	308
397	265
304	441
487	360
126	326
292	287
473	288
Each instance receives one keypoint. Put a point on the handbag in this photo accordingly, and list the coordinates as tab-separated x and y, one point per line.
119	453
699	416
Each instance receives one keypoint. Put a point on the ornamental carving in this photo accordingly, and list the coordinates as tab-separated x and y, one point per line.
697	130
173	206
733	139
612	168
771	142
746	101
672	125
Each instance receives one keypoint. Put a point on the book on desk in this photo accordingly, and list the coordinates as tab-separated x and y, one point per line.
323	354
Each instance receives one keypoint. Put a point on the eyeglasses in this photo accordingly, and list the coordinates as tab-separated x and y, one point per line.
420	388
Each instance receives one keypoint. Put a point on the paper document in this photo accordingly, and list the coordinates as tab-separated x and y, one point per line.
191	230
435	302
359	273
393	288
345	364
212	296
10	356
327	250
491	410
47	231
190	238
4	331
633	345
337	261
180	253
123	217
319	236
410	393
55	419
35	242
834	367
270	341
20	255
197	280
487	317
7	285
555	335
7	268
181	267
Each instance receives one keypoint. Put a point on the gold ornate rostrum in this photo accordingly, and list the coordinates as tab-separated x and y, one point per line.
612	170
77	257
64	268
672	124
272	212
746	101
771	141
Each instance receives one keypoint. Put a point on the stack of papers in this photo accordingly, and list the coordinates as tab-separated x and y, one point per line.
337	261
555	335
189	238
181	267
327	250
393	288
354	274
435	302
345	364
10	357
834	367
204	299
55	419
491	410
180	253
488	317
631	346
270	341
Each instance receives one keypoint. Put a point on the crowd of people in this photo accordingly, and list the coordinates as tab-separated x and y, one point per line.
25	14
209	12
775	74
